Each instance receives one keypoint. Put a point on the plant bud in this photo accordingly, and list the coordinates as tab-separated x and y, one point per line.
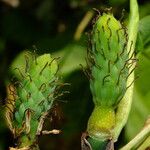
110	61
30	98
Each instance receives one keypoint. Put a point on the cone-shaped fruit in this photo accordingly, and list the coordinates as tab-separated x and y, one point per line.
109	71
30	99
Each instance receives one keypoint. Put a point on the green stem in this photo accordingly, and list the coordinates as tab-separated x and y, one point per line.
96	144
145	145
125	104
29	139
139	137
25	141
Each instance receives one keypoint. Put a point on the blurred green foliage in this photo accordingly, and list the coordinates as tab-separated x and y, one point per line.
50	25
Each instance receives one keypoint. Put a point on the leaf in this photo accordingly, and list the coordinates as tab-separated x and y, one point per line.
71	56
19	62
139	43
143	38
141	98
144	29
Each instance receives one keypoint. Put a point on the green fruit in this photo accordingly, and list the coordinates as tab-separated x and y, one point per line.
109	69
101	122
31	99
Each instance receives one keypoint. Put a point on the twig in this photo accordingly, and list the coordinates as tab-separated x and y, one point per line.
13	3
138	138
24	148
145	145
54	131
84	22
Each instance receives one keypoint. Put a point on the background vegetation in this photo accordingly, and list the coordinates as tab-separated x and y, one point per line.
52	26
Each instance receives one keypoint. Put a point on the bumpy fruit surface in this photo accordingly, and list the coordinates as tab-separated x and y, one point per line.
30	98
110	69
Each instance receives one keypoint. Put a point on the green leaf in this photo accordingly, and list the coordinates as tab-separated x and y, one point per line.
143	37
139	43
141	98
71	56
144	29
19	62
